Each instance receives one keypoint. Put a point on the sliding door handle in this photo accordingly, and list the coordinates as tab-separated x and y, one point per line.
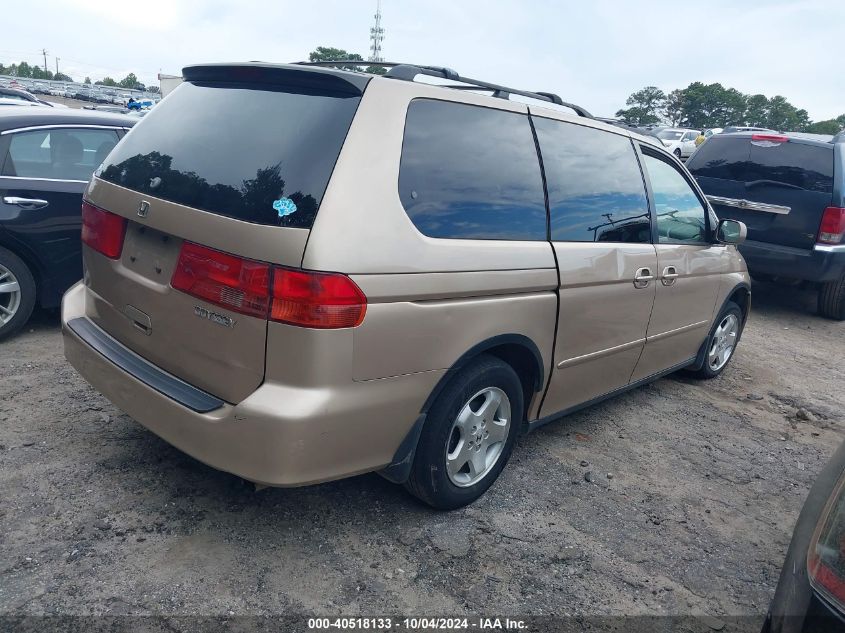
670	274
642	278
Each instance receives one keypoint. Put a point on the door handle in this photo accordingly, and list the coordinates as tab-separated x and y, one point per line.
670	274
26	203
642	278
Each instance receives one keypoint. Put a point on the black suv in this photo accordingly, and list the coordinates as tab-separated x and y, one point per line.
789	189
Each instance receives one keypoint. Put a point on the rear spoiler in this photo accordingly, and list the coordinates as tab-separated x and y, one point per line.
306	79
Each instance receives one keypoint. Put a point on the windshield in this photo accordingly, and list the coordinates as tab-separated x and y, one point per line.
669	135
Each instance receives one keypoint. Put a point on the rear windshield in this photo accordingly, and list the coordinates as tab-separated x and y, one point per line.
804	165
258	154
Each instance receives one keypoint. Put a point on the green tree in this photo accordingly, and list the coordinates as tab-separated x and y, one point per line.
711	105
106	81
672	107
831	126
645	106
23	70
757	110
87	80
784	116
329	54
130	81
62	77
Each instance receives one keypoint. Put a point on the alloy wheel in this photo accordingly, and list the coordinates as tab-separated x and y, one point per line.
723	343
10	295
478	437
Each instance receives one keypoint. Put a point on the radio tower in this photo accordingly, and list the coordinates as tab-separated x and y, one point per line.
376	36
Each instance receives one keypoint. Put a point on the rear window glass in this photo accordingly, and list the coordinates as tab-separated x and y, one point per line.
471	173
258	154
797	164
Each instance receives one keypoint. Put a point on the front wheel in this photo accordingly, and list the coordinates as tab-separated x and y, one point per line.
678	154
722	341
468	436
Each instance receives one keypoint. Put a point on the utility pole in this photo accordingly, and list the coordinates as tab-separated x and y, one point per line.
57	66
44	52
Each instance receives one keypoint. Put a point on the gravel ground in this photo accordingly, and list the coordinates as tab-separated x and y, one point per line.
676	498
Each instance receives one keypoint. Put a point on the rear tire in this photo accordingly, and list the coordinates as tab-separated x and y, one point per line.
17	293
722	342
832	299
678	154
458	456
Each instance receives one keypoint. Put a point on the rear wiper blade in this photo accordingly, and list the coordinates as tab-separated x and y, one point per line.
774	183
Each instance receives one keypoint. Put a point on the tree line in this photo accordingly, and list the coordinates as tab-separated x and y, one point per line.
30	71
702	106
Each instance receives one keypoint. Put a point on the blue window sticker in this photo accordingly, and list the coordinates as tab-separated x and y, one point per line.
284	207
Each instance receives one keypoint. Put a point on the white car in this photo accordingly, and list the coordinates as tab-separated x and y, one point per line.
679	141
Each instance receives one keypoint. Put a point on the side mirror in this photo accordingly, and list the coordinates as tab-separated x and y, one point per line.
731	231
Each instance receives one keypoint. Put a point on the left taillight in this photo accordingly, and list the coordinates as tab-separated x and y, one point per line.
102	231
242	285
832	227
826	553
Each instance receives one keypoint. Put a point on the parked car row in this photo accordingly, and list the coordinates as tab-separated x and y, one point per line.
72	90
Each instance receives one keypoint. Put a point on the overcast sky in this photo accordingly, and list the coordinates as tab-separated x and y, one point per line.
593	53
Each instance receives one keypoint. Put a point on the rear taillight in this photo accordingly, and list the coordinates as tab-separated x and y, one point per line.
317	300
295	297
826	552
832	227
239	284
102	231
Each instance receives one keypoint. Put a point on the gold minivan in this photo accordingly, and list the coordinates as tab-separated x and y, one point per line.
295	273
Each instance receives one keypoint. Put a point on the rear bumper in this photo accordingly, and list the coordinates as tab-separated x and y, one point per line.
278	435
820	264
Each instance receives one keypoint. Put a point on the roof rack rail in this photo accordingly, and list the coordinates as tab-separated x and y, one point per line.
409	72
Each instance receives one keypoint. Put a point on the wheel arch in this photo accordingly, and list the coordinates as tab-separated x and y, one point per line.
739	294
517	350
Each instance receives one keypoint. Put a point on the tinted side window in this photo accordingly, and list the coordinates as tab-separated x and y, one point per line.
71	154
596	190
471	172
720	157
681	218
807	166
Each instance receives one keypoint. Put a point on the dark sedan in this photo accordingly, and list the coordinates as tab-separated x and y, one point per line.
47	156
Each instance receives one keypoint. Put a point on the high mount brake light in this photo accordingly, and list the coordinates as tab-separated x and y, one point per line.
774	138
296	297
102	231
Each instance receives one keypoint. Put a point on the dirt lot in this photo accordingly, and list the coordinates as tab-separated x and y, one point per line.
695	488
